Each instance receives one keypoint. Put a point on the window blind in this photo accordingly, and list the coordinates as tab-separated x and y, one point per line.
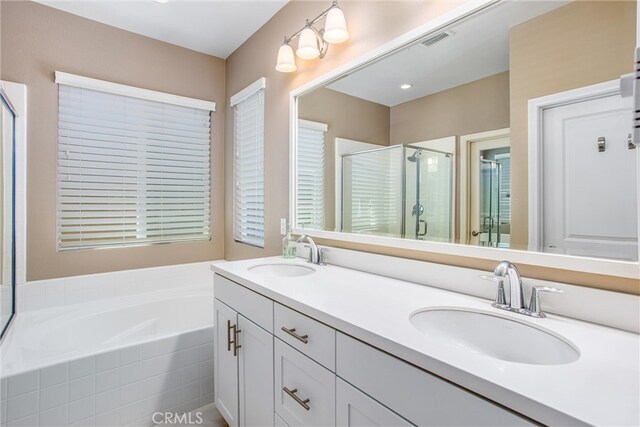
248	208
311	174
130	170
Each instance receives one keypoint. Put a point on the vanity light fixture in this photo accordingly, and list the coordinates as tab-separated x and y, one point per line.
314	43
406	86
162	1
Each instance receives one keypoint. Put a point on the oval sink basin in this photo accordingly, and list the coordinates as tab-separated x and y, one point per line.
281	270
495	336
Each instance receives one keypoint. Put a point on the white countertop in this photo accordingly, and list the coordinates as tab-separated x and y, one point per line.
601	388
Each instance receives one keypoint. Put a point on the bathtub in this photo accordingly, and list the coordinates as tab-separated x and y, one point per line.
111	362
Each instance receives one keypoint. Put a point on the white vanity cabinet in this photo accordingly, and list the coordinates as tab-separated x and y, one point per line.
243	359
289	369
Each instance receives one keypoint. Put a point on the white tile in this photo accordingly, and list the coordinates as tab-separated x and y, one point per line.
130	413
53	396
160	364
129	393
107	401
54	295
58	416
206	386
189	357
107	361
206	352
81	367
82	387
22	406
191	391
190	374
130	373
3	388
195	338
206	368
3	412
81	409
160	347
22	383
107	380
87	422
130	355
206	399
108	419
53	375
160	383
171	397
29	421
33	297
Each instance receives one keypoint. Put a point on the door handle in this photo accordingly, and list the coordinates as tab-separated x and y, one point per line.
292	393
236	331
474	233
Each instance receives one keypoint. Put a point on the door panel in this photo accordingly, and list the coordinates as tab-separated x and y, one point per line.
255	369
225	364
589	204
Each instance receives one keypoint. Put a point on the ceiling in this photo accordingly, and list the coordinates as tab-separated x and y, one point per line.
479	48
215	27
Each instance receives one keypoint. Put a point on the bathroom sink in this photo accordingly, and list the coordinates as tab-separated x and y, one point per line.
281	270
495	336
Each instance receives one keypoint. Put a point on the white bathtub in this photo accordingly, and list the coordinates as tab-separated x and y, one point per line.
109	362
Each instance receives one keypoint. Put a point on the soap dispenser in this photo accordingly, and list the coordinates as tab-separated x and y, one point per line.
289	247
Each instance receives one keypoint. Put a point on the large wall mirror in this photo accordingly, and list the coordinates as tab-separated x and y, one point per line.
506	129
7	210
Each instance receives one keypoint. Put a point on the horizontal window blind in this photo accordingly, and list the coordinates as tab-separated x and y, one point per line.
311	175
130	171
248	211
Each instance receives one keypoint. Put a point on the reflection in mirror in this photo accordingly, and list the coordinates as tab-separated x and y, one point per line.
506	129
7	264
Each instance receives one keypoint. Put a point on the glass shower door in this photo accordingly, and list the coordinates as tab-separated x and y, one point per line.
490	174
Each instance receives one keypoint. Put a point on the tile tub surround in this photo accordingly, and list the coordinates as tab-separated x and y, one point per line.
120	387
45	294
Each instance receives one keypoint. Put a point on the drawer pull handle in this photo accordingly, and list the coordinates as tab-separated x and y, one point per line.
292	332
294	396
229	335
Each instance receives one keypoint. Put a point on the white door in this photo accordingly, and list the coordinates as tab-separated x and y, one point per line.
356	409
255	369
225	363
589	196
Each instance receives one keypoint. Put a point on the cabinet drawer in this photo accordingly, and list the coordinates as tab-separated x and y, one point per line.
422	398
354	408
252	305
304	390
315	339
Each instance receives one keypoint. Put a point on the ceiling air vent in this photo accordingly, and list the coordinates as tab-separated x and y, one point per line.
436	38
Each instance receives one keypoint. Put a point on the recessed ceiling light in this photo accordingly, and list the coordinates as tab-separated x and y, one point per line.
406	86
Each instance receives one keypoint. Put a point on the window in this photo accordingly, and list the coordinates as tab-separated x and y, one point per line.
248	164
133	165
311	175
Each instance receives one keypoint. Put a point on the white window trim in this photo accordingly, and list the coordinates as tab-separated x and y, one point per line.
313	125
133	92
254	87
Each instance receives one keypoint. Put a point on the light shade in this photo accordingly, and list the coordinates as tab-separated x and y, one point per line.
286	61
308	44
335	28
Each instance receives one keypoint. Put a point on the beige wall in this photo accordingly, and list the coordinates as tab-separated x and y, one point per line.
347	117
477	106
38	40
371	24
583	43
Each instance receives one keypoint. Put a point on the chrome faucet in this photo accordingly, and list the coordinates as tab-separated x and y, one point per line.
508	271
316	255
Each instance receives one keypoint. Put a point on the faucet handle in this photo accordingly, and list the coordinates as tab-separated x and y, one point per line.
322	256
501	299
310	256
534	304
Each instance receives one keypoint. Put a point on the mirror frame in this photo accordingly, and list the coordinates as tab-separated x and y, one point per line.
565	262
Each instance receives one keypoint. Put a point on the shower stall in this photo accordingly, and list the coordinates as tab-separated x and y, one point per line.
398	191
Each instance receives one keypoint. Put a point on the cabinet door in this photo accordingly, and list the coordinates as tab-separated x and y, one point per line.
225	363
255	369
356	409
304	390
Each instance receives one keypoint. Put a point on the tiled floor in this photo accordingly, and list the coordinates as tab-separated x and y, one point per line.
208	414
